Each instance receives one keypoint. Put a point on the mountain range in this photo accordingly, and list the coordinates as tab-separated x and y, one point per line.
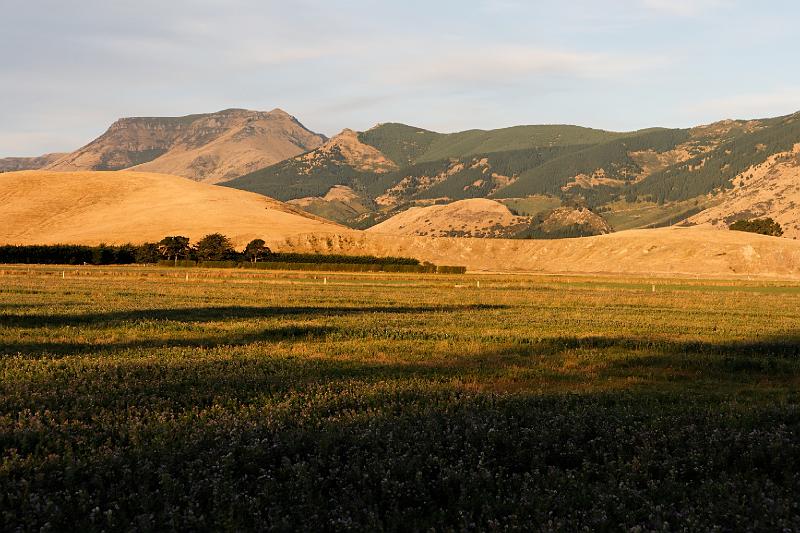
533	181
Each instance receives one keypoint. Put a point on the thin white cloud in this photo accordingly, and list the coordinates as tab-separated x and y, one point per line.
502	64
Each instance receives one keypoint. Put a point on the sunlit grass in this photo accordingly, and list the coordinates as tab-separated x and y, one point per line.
230	400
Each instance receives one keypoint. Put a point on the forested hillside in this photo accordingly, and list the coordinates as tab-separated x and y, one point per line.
704	173
648	177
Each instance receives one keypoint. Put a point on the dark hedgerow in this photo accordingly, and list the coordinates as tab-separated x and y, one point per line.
70	254
322	266
340	259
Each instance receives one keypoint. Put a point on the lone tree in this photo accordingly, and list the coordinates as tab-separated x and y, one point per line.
214	247
176	247
764	226
256	249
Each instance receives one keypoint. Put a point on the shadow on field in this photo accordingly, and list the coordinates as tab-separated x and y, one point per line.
216	314
783	346
288	333
556	365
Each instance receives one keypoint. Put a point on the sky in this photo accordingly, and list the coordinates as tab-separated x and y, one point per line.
68	69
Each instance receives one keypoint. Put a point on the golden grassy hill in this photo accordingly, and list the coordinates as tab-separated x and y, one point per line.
699	252
41	207
477	217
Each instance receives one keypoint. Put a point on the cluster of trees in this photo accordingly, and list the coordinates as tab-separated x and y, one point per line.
176	249
764	226
212	247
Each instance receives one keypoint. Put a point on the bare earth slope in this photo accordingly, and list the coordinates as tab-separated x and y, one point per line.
696	252
43	207
213	147
770	189
478	217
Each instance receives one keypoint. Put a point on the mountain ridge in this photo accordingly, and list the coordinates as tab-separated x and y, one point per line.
209	147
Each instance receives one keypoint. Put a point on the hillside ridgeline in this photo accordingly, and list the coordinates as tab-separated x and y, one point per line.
212	147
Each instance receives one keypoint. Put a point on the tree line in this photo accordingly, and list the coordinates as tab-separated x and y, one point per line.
212	247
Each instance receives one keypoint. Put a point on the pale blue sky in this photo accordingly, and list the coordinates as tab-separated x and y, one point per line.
69	68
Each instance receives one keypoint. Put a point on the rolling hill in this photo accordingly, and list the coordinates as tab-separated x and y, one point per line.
211	147
692	252
47	207
479	217
40	207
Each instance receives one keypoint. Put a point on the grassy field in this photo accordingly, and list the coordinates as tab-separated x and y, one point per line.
142	398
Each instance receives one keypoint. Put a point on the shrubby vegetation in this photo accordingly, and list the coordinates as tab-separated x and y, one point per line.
402	144
544	157
764	226
291	257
